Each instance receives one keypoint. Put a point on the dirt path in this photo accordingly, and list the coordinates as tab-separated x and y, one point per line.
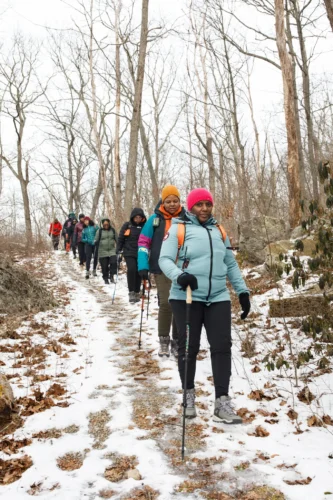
96	410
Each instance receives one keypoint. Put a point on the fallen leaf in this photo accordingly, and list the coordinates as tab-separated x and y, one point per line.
292	414
11	470
298	482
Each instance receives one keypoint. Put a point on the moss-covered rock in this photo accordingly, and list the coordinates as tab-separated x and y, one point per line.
273	250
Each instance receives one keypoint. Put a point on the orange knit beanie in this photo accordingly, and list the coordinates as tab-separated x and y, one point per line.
168	190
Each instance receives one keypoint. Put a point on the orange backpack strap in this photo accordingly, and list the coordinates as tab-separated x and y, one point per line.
222	231
180	237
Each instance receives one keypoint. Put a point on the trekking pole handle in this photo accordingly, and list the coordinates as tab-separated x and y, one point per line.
188	295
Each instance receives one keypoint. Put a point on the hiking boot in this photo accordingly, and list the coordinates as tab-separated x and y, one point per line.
112	279
137	296
106	281
174	348
87	275
94	272
190	411
164	347
131	297
224	411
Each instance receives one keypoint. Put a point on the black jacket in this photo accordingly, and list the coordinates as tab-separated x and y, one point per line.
129	235
70	231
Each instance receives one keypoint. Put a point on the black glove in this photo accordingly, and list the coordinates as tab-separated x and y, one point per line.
185	280
144	274
244	300
119	258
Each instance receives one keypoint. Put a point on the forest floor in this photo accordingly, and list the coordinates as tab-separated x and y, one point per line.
93	410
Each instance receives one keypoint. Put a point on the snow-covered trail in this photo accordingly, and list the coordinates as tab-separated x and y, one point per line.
125	413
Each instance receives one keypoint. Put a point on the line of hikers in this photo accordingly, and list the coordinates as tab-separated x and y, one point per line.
182	248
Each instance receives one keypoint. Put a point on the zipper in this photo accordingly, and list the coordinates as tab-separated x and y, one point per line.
211	263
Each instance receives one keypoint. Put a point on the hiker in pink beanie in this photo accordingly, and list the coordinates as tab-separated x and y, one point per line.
199	194
196	253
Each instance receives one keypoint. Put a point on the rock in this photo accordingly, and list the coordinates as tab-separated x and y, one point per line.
296	233
6	398
134	474
257	233
273	250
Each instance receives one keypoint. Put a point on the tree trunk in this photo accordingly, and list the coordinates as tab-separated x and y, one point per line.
136	114
307	102
302	179
329	10
27	213
97	195
290	118
96	134
117	118
146	151
244	199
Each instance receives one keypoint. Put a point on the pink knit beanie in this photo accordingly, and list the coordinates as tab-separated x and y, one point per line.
197	195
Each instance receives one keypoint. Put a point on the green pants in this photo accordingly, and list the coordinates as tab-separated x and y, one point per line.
165	313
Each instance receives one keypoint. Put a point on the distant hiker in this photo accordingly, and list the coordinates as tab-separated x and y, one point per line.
70	237
203	262
150	242
66	225
78	240
88	238
55	232
106	242
128	244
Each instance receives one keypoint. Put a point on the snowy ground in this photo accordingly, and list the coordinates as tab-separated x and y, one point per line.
121	409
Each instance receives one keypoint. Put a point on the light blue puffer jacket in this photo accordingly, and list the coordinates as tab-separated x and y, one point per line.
208	259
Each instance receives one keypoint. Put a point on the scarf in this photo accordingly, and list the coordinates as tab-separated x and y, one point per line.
168	217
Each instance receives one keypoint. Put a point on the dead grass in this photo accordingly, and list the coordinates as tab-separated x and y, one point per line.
99	429
70	461
121	464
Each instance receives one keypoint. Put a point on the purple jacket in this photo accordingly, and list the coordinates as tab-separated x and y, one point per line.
78	232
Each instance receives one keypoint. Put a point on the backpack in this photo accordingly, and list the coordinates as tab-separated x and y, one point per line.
181	234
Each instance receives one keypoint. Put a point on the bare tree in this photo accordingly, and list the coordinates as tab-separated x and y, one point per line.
290	118
136	114
22	92
329	10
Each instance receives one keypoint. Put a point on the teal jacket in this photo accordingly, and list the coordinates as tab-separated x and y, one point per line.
88	234
206	256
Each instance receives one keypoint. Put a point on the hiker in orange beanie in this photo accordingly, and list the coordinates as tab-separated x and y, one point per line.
150	242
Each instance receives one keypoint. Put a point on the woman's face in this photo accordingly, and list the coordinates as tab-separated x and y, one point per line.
86	222
106	225
137	219
171	204
203	211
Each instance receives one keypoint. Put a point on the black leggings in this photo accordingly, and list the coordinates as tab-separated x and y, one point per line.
133	277
216	318
109	266
82	253
91	251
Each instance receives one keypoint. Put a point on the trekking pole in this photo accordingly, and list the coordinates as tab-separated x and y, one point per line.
142	308
148	296
115	285
188	317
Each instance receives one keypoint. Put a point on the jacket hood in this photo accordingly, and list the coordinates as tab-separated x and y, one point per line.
105	219
158	206
137	211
